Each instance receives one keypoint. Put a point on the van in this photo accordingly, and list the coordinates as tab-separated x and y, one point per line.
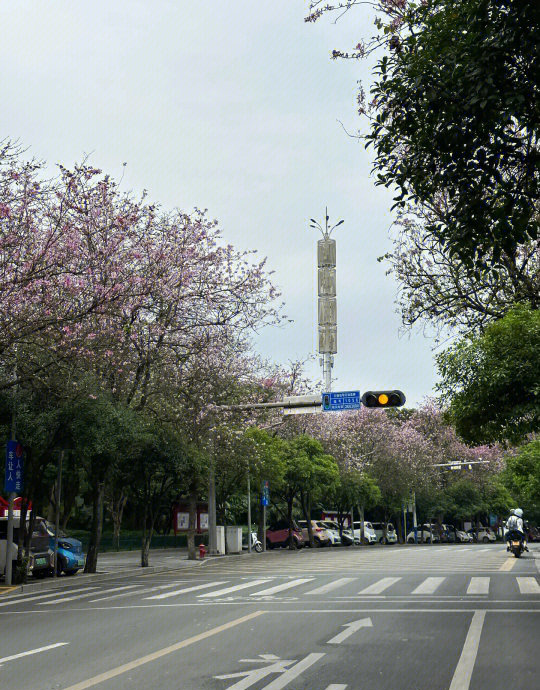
40	558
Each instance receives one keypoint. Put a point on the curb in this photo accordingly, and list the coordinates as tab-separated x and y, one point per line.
63	582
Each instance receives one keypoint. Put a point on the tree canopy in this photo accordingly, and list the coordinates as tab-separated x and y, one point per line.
491	382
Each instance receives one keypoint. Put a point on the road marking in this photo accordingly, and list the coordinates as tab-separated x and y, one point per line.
336	686
478	585
292	673
380	586
107	675
508	564
280	588
330	586
528	585
6	590
45	596
185	590
139	591
350	628
429	585
462	675
83	596
32	651
234	588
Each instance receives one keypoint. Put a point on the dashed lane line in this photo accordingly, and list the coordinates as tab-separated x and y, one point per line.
32	651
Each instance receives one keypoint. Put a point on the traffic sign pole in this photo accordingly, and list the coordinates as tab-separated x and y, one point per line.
9	544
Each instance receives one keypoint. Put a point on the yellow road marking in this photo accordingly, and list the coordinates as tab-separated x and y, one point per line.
6	590
509	563
107	675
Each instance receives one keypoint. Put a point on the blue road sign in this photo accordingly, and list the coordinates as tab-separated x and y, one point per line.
265	494
13	481
334	402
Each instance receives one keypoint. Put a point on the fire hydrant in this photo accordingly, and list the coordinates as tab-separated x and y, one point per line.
202	551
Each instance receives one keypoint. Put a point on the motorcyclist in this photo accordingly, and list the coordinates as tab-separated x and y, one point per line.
515	524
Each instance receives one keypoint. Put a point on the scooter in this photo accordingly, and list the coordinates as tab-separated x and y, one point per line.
516	545
255	543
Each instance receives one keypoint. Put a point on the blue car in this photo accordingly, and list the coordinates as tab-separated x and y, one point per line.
70	554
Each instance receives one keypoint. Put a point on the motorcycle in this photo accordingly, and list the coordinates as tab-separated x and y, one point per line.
516	544
255	543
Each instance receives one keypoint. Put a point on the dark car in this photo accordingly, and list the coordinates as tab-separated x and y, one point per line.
533	533
278	535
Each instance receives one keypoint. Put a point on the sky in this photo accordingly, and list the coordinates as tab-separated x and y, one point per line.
234	107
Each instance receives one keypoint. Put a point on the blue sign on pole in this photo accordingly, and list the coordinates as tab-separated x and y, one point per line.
335	402
13	481
265	494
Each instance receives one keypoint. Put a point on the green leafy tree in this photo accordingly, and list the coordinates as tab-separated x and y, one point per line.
491	382
522	476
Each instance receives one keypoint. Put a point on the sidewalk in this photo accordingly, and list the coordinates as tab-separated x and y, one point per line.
116	566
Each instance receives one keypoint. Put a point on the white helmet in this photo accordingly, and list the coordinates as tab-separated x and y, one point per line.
518	512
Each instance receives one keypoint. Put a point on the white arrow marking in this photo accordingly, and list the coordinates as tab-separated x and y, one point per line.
351	628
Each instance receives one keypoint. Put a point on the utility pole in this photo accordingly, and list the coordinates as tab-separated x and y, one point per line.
249	508
327	307
57	517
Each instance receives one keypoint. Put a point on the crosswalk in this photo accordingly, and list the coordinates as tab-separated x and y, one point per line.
274	588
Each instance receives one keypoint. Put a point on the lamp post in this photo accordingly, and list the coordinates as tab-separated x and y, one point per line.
327	307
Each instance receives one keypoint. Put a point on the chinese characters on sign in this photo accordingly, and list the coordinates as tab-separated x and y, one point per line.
346	400
13	481
265	494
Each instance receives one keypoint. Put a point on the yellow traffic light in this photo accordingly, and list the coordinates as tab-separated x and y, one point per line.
383	399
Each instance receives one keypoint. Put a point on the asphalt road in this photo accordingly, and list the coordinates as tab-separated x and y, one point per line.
384	618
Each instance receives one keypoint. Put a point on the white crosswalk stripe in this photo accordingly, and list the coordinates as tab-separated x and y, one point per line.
139	591
341	582
429	585
478	585
282	587
46	596
185	590
380	586
528	585
84	596
233	588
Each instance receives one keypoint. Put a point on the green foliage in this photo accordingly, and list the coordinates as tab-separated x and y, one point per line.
492	382
522	476
457	122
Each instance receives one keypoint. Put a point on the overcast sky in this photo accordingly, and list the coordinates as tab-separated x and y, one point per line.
234	107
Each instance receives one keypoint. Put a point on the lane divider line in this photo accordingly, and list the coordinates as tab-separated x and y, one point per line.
463	673
32	651
112	673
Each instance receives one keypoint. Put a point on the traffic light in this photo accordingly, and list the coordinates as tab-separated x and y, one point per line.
326	401
383	399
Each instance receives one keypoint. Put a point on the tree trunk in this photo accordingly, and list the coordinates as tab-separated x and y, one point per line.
361	511
292	543
96	529
117	510
305	509
192	526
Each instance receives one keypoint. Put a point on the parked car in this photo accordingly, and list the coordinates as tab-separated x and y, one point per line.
70	554
332	529
485	534
424	534
320	535
449	534
463	537
40	558
369	533
390	537
278	535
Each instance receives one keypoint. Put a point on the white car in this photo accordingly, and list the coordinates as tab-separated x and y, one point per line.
391	536
485	534
369	533
332	530
426	531
463	536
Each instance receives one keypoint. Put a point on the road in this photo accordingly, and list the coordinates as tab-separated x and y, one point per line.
445	617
